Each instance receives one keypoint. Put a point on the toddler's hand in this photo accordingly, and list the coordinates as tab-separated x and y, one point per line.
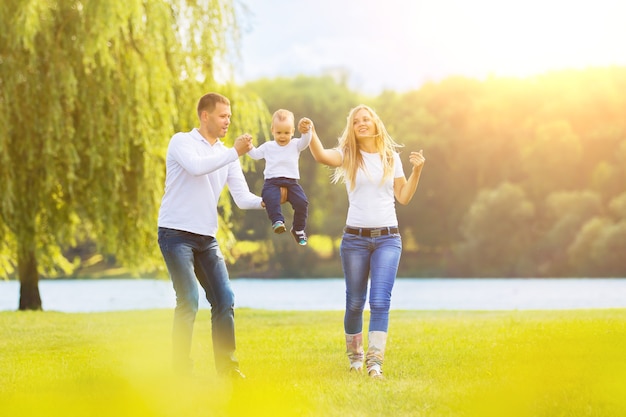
304	125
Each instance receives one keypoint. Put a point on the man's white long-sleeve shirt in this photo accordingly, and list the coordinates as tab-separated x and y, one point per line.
281	161
196	173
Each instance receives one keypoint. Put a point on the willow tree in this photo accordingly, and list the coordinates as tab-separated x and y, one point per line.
90	93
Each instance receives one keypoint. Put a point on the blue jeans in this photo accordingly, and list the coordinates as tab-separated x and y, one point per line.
377	258
190	257
295	196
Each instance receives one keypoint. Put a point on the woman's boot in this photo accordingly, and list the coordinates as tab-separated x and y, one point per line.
376	353
354	349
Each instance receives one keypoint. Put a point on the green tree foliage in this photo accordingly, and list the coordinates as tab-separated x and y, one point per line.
552	158
564	214
599	247
497	233
90	93
608	176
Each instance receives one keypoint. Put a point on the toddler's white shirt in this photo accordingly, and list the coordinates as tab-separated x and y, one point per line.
281	161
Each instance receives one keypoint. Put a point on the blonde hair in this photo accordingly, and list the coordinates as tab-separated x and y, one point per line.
282	115
352	158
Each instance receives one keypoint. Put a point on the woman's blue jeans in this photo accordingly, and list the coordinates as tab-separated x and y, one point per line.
189	258
376	258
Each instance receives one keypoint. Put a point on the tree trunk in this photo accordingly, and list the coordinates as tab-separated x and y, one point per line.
30	298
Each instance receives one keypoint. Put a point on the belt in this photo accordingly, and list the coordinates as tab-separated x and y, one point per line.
365	232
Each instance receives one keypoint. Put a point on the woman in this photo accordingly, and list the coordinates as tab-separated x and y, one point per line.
367	161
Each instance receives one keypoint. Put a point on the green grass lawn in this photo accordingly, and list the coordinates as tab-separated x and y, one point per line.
514	363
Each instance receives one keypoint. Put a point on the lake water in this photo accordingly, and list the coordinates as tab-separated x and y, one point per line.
328	294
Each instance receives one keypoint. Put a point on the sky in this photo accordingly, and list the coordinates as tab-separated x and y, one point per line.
401	44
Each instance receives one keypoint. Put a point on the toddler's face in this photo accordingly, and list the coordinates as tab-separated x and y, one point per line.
282	131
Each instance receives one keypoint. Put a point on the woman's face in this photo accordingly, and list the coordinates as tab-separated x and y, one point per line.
363	124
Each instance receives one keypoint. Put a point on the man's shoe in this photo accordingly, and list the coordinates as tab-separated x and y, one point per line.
236	375
233	374
300	236
279	227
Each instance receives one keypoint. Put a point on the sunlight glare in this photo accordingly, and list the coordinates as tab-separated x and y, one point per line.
514	38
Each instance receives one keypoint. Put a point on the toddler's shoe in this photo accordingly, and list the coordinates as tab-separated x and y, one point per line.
300	236
279	227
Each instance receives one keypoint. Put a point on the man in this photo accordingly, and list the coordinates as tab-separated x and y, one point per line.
198	165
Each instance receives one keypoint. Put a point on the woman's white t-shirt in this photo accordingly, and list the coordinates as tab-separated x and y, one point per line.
372	203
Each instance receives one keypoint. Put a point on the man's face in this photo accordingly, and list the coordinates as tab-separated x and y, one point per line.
219	120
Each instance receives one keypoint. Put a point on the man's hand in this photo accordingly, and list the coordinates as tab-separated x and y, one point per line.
283	196
243	144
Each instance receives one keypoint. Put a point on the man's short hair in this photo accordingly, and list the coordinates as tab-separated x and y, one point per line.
208	101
